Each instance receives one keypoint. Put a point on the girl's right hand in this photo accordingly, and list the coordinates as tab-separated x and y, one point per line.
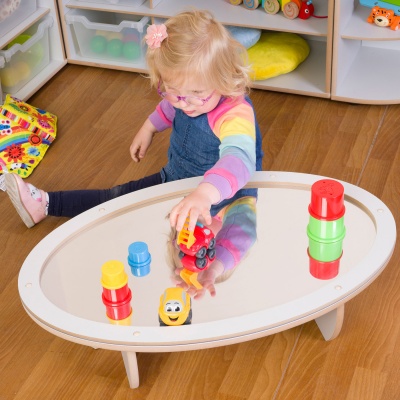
142	141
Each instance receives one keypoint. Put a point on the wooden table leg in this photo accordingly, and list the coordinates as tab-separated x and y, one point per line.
131	368
331	323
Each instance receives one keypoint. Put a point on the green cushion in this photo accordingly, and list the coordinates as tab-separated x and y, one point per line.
277	53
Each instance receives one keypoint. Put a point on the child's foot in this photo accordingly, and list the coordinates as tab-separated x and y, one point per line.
30	202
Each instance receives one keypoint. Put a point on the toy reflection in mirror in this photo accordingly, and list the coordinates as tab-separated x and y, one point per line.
234	228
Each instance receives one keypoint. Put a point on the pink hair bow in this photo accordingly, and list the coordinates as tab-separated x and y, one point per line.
155	35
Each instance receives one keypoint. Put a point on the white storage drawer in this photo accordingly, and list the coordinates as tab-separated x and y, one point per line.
109	36
23	11
26	56
127	3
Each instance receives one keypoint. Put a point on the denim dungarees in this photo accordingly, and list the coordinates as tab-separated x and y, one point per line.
194	149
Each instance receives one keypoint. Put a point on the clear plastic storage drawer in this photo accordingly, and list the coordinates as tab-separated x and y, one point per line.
26	56
12	13
109	36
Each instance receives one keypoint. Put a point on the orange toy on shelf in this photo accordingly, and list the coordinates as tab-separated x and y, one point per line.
384	17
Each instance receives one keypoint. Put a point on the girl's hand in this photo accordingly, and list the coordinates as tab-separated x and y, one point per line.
196	204
207	280
142	141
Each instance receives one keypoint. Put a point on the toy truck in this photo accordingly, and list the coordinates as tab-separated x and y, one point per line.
197	251
175	308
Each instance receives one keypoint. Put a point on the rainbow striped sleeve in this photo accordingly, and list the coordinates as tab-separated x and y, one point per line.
233	122
163	115
238	233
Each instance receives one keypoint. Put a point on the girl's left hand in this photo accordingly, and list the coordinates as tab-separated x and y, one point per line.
196	204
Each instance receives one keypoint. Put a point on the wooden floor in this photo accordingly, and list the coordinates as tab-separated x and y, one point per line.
99	112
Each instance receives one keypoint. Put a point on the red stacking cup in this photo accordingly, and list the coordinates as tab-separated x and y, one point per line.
323	269
117	310
116	294
327	200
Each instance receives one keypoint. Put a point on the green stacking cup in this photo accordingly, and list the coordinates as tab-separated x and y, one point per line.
325	250
326	230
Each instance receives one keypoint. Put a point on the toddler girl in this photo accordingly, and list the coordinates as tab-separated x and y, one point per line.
200	72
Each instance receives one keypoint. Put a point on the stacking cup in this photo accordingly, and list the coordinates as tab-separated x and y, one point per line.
325	250
327	200
123	322
139	259
324	269
116	294
113	275
118	310
326	230
326	238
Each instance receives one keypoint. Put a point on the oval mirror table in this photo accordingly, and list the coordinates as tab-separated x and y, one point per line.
271	290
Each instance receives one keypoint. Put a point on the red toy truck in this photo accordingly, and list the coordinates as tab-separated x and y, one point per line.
197	251
198	256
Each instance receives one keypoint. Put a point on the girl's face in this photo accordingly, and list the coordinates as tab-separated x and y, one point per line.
191	88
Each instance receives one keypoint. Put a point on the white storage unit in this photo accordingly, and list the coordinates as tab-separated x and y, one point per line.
53	56
108	36
347	53
26	56
366	57
312	77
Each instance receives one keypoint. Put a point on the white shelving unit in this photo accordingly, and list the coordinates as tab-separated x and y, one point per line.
56	46
366	57
347	56
312	77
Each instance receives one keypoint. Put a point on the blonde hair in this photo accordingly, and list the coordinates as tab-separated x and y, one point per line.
200	46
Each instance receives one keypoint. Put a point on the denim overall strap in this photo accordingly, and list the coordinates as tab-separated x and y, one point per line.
194	149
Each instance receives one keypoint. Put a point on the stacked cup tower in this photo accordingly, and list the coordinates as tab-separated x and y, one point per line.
326	229
116	294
